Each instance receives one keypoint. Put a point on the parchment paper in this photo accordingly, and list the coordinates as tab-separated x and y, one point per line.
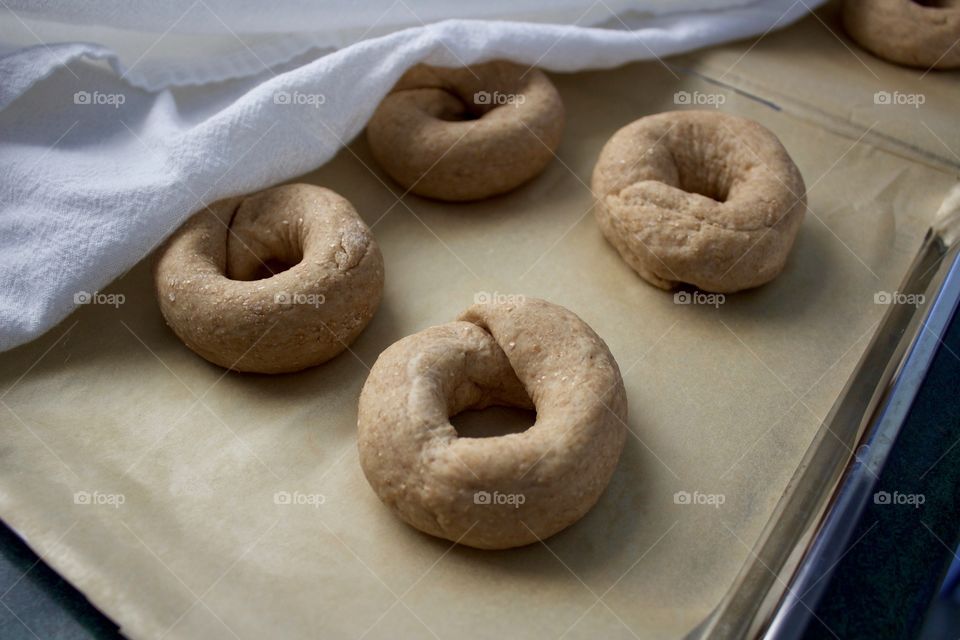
155	481
814	71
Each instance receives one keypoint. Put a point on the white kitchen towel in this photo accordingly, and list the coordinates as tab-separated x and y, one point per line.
211	40
100	161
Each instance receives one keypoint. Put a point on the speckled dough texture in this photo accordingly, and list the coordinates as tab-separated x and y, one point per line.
213	293
699	197
467	133
506	491
907	32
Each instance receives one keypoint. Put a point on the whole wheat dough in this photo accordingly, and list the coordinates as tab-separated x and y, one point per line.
506	491
925	35
216	291
467	133
699	197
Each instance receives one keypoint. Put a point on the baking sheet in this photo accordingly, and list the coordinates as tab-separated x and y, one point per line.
155	481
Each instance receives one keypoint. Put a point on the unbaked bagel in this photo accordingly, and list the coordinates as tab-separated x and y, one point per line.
907	32
467	133
506	491
699	197
217	293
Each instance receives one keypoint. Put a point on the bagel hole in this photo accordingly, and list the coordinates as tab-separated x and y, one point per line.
259	269
492	422
712	187
936	4
262	239
701	168
258	257
467	115
466	110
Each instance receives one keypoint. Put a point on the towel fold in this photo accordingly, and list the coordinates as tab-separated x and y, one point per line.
102	159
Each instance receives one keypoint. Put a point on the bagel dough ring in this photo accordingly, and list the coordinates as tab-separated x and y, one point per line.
699	197
906	32
467	133
506	491
209	294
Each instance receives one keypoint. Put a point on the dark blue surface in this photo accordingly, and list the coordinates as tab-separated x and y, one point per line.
35	602
894	567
